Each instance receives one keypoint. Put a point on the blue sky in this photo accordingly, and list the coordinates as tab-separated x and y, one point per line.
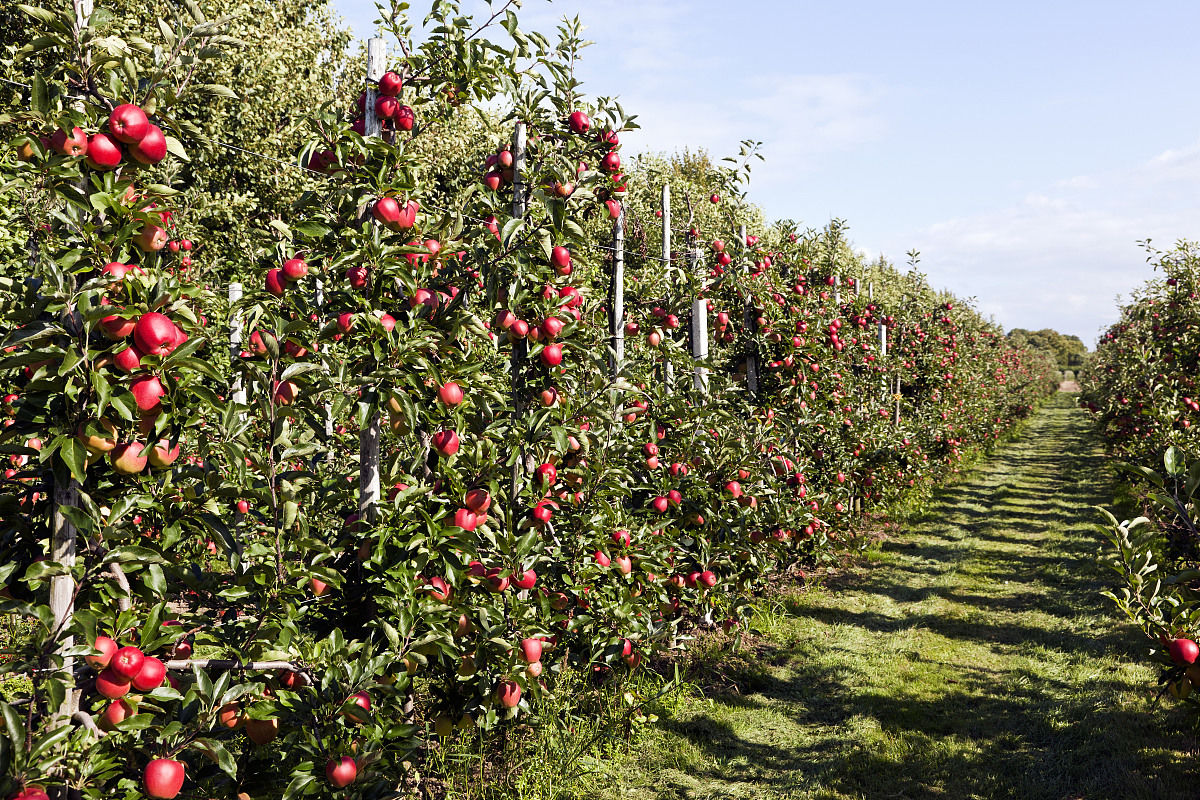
1023	147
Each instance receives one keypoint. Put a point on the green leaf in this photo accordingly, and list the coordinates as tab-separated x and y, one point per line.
39	102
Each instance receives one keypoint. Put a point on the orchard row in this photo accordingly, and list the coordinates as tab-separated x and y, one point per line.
459	448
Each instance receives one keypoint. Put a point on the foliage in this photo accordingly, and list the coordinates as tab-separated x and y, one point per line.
415	294
1068	352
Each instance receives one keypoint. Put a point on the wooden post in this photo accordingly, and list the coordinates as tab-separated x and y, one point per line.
882	340
62	533
698	328
668	366
749	319
236	332
616	298
837	290
371	434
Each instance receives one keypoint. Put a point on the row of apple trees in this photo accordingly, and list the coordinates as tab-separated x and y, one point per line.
224	591
1142	394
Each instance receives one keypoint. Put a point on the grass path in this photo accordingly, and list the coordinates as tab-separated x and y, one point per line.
971	657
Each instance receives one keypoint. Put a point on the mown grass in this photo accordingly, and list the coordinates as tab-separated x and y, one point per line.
971	656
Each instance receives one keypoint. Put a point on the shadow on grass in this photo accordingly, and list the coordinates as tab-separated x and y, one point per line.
1015	549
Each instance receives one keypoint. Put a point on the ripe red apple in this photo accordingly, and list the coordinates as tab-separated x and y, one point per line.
611	161
560	257
466	519
552	355
526	580
151	239
341	772
276	283
386	107
660	504
579	122
624	564
127	662
150	676
547	474
390	84
295	268
102	152
155	334
128	123
117	712
128	458
285	393
104	647
117	328
151	149
387	212
73	144
362	701
439	589
601	558
708	578
508	693
163	778
406	118
1183	651
162	454
478	500
450	393
358	276
445	442
128	360
716	198
147	391
111	685
262	731
531	649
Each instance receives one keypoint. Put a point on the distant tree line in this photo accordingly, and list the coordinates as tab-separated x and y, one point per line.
1069	352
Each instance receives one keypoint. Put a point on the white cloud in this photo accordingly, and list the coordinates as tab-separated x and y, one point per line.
1061	257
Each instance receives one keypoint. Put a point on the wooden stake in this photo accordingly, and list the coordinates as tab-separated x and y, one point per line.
698	328
236	332
372	433
668	367
616	298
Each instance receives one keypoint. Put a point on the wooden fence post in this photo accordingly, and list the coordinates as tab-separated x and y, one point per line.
370	436
750	321
837	290
236	332
668	366
698	327
616	298
62	532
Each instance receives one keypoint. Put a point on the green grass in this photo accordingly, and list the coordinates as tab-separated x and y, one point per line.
969	656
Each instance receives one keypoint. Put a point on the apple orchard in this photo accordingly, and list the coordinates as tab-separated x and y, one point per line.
443	440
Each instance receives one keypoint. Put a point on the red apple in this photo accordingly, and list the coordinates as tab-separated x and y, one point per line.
276	283
111	685
531	649
163	778
546	473
579	122
127	662
150	676
104	647
526	580
117	712
128	458
74	144
390	84
155	334
450	393
1183	651
405	118
295	268
151	149
445	442
128	123
151	239
341	772
508	693
147	391
552	355
478	500
102	152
